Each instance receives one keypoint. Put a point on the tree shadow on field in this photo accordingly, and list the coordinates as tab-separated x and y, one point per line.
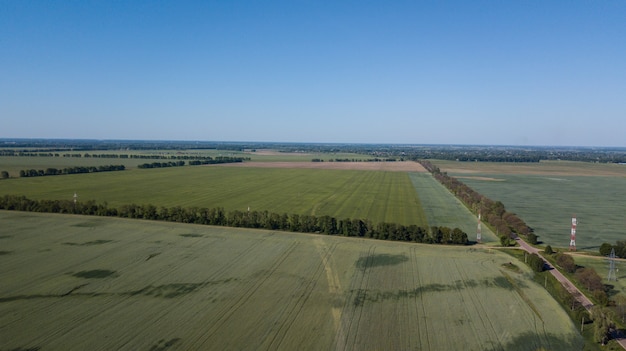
380	260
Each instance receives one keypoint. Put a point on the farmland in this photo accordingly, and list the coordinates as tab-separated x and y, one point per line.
546	194
130	284
132	158
442	208
375	195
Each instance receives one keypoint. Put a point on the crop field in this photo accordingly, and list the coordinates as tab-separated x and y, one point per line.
444	209
77	283
376	195
14	164
547	194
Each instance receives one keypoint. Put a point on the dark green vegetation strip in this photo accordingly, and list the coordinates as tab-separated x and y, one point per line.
96	273
88	243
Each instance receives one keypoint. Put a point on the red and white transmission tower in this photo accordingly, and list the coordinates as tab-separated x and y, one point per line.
572	241
478	230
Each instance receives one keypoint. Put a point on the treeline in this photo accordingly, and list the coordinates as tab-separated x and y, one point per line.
247	219
204	161
217	160
619	247
492	212
161	164
121	156
69	170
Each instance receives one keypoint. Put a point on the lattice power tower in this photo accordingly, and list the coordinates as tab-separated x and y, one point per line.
478	230
612	276
572	237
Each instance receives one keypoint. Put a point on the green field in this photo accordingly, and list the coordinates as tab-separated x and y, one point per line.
76	282
444	209
377	196
546	195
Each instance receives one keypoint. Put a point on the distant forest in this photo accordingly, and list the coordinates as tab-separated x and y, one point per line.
485	153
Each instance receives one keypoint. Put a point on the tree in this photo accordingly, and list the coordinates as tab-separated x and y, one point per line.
5	175
459	236
590	279
548	250
621	303
535	262
504	240
566	262
532	238
605	249
602	323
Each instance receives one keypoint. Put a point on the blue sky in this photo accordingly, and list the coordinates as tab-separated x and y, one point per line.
435	72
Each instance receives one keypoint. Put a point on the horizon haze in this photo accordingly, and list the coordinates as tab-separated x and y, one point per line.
443	73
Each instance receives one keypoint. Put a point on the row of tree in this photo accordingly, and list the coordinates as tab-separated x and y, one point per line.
217	160
248	219
204	161
492	212
162	164
68	170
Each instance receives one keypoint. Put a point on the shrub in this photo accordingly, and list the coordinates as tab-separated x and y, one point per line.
535	262
566	262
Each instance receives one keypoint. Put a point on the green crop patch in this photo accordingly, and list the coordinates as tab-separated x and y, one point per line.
95	274
169	291
88	224
164	345
89	243
379	260
191	235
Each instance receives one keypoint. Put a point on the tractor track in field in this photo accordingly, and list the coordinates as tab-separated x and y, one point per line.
476	331
230	309
421	303
353	306
298	305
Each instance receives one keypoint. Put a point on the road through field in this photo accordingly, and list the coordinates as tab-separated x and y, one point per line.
567	284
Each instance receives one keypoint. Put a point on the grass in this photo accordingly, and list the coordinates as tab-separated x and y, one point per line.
254	289
377	196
